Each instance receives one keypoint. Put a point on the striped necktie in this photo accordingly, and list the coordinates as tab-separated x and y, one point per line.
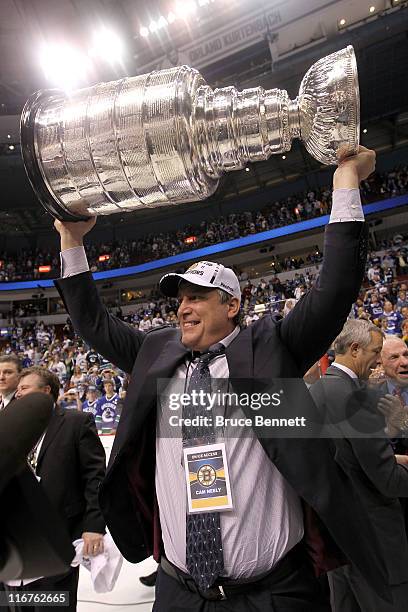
204	554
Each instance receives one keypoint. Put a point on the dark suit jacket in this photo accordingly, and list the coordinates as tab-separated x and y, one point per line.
367	456
71	465
268	348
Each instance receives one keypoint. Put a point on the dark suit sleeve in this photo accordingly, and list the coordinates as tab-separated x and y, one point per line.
111	337
375	454
319	315
92	462
379	464
353	412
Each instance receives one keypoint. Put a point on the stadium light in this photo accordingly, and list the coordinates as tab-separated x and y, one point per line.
180	10
283	156
190	6
107	45
372	9
162	22
365	131
11	147
342	23
64	66
247	169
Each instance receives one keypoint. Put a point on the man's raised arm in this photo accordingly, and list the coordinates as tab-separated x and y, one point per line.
111	337
319	316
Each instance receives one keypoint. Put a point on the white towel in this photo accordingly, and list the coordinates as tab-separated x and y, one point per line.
104	568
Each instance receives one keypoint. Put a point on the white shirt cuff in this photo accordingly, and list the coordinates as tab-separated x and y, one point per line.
346	206
73	261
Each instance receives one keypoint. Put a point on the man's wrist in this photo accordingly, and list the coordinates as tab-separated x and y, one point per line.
69	242
346	178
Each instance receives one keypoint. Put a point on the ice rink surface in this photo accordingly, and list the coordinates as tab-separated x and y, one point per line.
129	594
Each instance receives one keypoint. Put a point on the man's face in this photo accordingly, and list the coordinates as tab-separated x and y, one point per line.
30	384
368	358
108	386
203	319
9	376
395	361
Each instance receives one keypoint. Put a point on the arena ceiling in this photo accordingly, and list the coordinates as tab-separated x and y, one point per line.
277	54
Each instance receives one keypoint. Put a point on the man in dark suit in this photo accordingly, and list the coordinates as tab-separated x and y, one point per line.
10	368
364	452
69	462
144	494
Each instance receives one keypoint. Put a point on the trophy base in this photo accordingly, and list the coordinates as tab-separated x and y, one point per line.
31	164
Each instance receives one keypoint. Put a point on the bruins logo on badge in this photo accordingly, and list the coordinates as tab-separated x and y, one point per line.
206	475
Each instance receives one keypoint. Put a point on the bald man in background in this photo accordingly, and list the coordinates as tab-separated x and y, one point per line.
394	403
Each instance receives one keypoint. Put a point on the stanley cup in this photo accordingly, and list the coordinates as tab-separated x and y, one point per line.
167	137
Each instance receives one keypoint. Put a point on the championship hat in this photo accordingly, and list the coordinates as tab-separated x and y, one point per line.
203	274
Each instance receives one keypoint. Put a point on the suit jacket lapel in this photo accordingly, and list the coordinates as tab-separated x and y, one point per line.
54	425
169	359
143	393
240	356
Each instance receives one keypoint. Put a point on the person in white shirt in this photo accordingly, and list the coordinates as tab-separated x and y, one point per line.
58	367
157	320
81	358
145	324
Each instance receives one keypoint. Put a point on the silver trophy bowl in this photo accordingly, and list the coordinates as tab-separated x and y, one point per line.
166	137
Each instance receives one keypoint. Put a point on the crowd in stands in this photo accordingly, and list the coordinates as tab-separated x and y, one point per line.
25	265
91	383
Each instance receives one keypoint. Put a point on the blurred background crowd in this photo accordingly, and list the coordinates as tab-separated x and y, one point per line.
299	207
90	383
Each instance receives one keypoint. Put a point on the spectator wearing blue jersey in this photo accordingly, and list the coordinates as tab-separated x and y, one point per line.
91	402
394	319
375	308
107	416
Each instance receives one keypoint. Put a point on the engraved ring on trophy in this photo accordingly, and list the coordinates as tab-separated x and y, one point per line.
167	137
